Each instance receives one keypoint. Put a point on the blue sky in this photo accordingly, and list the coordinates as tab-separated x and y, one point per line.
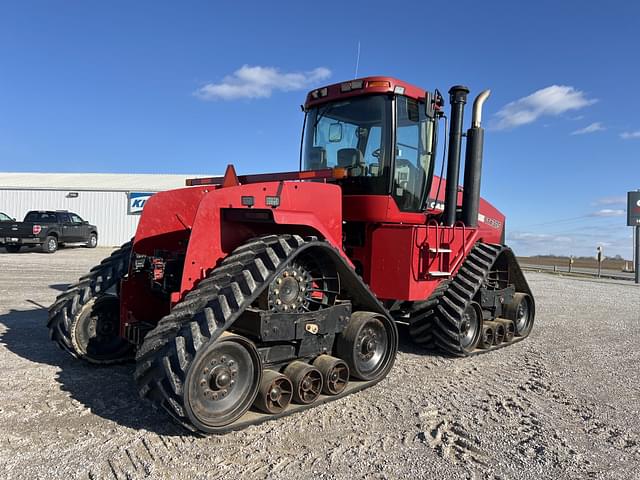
181	88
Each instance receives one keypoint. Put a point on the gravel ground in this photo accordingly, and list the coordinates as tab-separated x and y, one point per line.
562	404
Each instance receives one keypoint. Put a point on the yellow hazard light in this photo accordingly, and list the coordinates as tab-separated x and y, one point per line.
378	83
340	172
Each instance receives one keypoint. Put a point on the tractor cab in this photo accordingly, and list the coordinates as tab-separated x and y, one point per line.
379	132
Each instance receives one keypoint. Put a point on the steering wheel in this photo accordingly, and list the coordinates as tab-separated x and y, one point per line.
376	153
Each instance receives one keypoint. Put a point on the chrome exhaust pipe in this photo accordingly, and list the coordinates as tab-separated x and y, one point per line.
476	117
473	163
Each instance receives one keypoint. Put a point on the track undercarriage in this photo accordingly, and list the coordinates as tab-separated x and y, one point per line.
487	305
269	332
283	324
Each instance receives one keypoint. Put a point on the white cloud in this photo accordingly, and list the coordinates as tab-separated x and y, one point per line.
630	135
259	82
594	127
619	200
608	212
551	101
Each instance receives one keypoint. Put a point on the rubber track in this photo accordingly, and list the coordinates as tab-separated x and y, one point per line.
436	325
163	360
68	304
421	316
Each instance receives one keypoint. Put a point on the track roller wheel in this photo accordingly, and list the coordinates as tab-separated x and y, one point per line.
368	345
509	329
222	382
335	374
275	392
471	327
94	332
498	332
486	339
306	380
520	311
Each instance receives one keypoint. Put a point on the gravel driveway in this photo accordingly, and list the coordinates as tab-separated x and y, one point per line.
563	404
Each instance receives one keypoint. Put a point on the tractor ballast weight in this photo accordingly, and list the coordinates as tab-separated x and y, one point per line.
245	298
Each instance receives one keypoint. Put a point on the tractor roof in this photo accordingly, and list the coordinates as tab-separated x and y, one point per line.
362	86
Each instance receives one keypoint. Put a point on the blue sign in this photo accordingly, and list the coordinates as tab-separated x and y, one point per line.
137	200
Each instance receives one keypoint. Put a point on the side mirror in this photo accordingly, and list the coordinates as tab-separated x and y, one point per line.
433	103
429	106
335	132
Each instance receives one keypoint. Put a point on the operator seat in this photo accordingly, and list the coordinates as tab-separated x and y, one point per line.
352	158
349	157
316	158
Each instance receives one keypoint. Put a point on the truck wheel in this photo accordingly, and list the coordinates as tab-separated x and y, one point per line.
13	248
50	244
93	241
70	324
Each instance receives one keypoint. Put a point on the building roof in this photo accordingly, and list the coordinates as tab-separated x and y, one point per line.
94	181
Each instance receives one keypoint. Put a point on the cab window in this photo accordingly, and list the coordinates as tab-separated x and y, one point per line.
413	154
351	134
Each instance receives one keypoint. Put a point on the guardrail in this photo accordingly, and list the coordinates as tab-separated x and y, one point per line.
580	272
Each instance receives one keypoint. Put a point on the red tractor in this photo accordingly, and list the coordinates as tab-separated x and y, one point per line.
244	298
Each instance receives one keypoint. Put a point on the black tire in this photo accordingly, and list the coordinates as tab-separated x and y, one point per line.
13	248
50	244
65	312
93	241
368	345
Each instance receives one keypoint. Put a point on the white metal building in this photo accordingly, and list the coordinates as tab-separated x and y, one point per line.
110	201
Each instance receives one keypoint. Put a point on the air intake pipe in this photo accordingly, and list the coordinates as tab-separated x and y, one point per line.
458	99
473	164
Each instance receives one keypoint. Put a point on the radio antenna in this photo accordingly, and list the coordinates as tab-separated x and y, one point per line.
357	60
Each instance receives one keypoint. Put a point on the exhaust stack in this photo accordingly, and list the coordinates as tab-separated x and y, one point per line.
473	164
458	99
